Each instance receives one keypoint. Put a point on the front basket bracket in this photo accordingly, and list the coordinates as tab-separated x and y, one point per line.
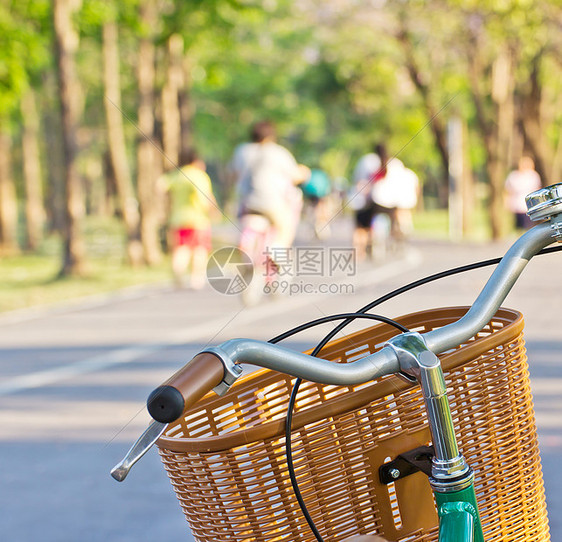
407	463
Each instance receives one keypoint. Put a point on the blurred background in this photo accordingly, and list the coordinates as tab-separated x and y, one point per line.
98	98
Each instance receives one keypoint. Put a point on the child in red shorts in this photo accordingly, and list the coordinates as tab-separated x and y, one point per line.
191	204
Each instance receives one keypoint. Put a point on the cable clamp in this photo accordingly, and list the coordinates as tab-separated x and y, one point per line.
232	371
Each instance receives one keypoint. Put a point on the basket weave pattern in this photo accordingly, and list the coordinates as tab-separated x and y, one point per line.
226	458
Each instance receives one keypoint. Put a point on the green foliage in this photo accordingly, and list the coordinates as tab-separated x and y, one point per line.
332	75
24	43
94	13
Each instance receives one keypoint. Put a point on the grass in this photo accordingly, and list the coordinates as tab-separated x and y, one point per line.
31	279
434	224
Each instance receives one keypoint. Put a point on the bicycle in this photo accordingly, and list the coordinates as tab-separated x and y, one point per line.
255	240
363	446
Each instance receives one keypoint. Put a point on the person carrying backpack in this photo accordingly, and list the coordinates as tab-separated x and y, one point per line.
316	191
267	178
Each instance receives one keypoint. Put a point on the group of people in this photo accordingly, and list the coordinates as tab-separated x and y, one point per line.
273	188
267	178
383	196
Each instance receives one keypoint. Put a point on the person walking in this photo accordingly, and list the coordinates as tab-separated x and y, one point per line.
520	183
361	202
191	205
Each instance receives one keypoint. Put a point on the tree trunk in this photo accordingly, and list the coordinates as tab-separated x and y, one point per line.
186	109
467	183
8	201
531	127
146	151
502	95
66	43
54	166
171	120
556	170
128	203
437	126
33	181
495	136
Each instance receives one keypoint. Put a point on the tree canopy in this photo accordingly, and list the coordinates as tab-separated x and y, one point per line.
334	76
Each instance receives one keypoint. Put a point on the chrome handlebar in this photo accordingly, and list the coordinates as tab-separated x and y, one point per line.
496	289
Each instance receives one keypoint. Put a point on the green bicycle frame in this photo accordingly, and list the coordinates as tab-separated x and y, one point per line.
459	520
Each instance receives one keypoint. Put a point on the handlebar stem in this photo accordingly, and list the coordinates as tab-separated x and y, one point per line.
449	471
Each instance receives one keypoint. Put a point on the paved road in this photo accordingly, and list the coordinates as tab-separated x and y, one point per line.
73	381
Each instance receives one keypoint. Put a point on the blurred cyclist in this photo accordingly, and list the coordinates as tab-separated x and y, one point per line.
268	175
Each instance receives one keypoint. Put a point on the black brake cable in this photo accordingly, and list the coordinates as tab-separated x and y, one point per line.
292	401
350	317
398	291
289	419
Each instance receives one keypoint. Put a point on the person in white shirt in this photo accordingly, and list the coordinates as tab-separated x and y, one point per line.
267	178
396	193
520	183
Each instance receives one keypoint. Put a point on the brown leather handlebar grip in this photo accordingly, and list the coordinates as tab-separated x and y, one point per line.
182	390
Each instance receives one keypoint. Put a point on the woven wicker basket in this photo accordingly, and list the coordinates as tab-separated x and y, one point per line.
226	458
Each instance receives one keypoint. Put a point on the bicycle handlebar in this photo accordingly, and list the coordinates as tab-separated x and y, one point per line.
208	369
495	291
